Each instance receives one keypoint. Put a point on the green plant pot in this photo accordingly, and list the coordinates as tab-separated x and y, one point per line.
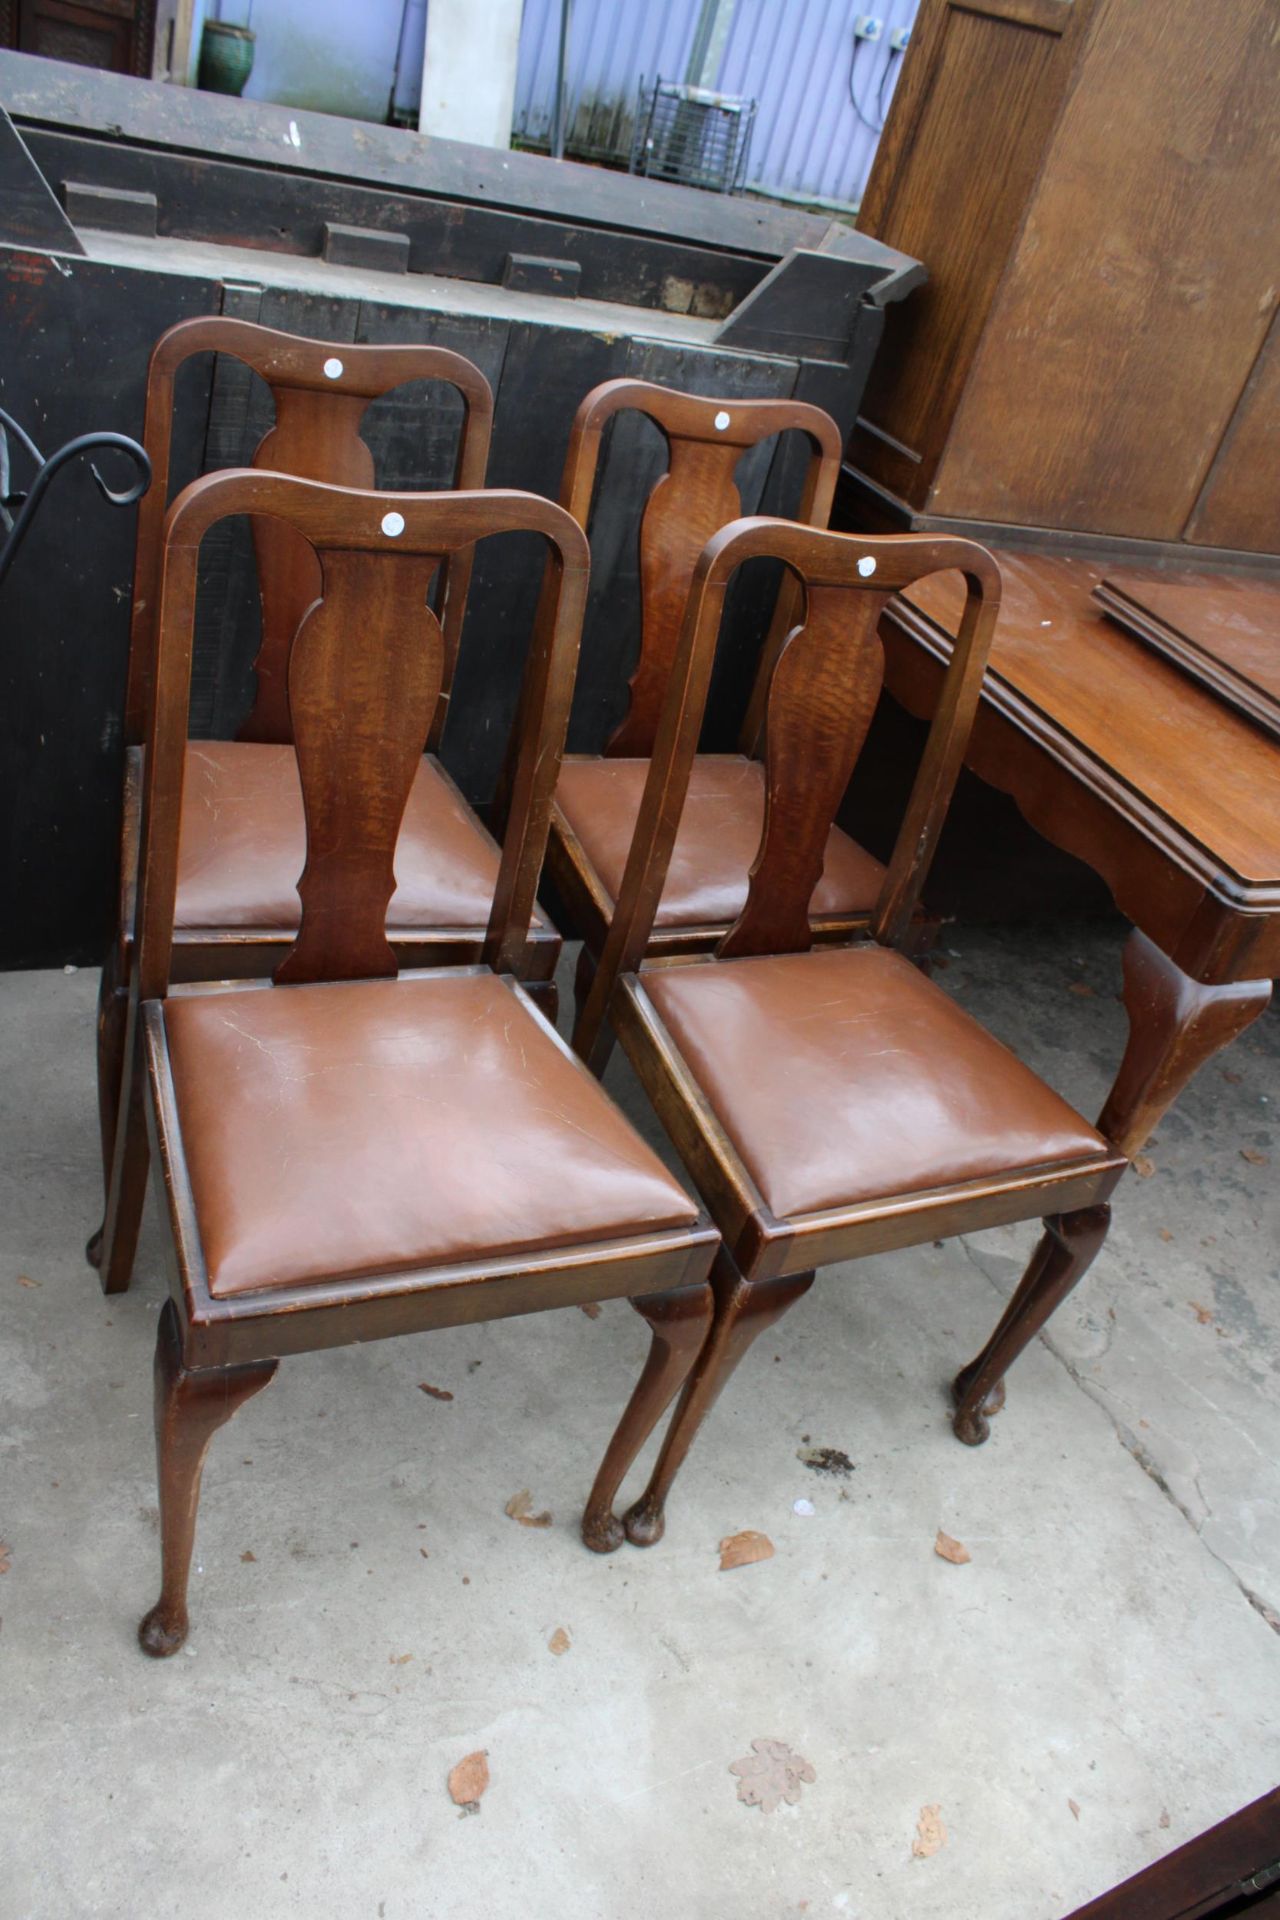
226	57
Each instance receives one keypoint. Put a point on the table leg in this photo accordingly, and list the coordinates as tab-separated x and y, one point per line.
1175	1026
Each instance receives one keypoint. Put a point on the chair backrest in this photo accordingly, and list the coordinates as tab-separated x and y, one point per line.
694	498
823	686
321	392
362	685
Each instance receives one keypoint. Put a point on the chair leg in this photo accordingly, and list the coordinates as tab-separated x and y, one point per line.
679	1320
190	1407
127	1189
744	1309
583	974
113	1023
594	1046
1066	1251
545	995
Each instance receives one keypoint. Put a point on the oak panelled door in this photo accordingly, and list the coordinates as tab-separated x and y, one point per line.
118	35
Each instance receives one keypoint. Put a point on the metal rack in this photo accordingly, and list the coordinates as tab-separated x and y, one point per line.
14	527
692	136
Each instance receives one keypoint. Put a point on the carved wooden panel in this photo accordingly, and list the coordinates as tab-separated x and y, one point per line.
317	437
361	696
695	496
822	695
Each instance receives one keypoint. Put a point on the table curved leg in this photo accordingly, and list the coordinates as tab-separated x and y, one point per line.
1175	1026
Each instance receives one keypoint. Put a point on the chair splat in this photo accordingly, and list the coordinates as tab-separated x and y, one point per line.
361	694
317	437
695	496
822	695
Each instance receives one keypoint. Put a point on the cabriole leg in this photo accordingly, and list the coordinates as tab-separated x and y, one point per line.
744	1309
190	1407
1066	1252
1175	1026
679	1320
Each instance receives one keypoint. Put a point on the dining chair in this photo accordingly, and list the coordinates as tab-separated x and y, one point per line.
347	1151
598	797
831	1102
240	848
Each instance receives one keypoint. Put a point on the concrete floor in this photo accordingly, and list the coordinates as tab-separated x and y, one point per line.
1100	1683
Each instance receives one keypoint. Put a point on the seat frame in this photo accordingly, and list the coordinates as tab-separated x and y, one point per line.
821	694
356	711
321	392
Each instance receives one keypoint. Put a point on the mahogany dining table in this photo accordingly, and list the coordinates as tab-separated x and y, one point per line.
1119	757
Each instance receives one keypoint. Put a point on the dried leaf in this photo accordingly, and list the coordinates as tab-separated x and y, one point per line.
1203	1314
948	1549
1081	987
6	1556
1143	1167
468	1779
559	1642
25	1280
744	1549
1165	1234
399	1659
248	1557
931	1835
517	1508
437	1393
1231	1077
592	1309
1164	1818
826	1460
770	1774
1255	1158
1075	1808
424	1553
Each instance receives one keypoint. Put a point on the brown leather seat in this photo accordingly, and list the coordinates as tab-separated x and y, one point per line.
844	1075
599	800
370	1127
242	845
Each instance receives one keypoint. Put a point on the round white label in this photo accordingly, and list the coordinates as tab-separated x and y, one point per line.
393	523
722	421
866	566
333	369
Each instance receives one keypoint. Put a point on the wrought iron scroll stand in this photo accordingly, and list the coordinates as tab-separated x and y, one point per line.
13	528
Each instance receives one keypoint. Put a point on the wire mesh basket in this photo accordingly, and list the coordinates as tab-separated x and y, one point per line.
693	136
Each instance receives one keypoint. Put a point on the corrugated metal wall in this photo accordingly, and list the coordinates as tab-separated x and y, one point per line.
822	96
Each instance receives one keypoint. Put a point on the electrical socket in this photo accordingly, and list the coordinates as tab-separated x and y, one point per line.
867	26
899	39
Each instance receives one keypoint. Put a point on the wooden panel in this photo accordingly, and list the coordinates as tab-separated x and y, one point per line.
1222	629
1143	286
979	92
1239	505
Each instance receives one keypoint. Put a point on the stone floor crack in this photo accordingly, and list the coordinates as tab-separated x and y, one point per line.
1134	1447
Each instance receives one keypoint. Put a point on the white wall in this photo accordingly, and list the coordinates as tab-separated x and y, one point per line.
469	70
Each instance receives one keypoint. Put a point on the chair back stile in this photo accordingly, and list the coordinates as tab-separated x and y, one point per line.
823	683
696	496
321	393
361	691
